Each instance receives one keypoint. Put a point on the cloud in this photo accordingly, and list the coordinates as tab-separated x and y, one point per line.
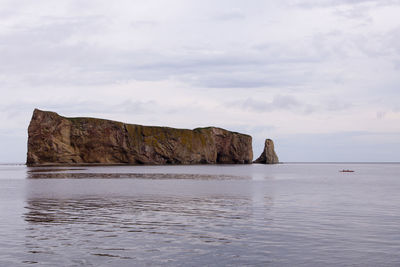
380	115
279	102
90	50
144	23
79	107
334	3
232	14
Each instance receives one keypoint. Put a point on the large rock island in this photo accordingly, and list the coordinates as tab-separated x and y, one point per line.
58	140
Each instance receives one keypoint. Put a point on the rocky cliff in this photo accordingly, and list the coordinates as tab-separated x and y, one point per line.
268	156
53	139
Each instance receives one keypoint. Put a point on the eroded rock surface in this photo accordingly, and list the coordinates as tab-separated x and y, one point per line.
53	139
268	156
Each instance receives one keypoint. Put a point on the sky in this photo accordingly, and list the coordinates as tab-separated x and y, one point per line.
319	77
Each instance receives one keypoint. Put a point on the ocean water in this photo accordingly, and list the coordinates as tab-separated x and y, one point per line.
208	215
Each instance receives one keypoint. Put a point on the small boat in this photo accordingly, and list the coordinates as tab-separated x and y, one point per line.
346	171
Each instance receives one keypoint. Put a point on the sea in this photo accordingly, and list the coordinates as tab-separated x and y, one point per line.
291	214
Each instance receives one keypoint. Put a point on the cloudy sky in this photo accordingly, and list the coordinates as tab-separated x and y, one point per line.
320	77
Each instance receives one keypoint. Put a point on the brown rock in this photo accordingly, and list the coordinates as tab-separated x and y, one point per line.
268	156
53	140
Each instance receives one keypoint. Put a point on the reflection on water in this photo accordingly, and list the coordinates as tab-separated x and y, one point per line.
34	175
32	170
153	229
127	211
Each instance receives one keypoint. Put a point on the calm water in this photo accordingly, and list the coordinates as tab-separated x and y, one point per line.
257	215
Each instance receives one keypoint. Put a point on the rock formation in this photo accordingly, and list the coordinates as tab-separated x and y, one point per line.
268	156
53	140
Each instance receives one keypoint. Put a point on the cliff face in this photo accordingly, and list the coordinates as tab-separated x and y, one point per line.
53	139
268	156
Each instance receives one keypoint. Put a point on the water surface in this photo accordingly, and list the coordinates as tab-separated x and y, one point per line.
209	215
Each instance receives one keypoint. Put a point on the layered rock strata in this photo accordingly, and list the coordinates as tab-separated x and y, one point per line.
268	156
54	140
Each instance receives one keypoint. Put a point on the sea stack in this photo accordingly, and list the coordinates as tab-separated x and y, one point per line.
268	156
58	140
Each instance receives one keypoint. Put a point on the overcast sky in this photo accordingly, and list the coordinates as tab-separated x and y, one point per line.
319	77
